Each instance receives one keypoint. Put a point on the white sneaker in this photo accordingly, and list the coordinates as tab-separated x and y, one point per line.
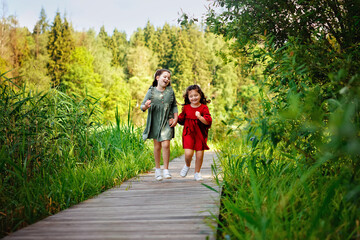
166	174
184	171
158	175
198	177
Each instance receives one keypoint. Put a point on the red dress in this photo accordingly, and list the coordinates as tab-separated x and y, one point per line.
195	133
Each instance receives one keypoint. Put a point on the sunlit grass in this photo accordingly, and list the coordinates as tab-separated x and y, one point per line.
279	199
54	153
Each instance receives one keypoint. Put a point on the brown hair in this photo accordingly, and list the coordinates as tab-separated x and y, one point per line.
203	99
158	73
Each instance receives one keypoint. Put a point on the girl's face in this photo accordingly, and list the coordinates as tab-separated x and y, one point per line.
163	79
194	97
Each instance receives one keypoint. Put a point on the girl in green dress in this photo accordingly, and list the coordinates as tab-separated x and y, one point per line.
162	118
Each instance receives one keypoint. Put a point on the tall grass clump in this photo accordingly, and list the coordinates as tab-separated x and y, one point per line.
54	153
271	196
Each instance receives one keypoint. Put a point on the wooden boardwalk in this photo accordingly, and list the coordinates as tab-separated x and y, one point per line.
141	208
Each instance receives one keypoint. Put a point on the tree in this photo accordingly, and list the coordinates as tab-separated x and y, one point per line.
112	77
41	28
104	37
4	41
80	77
60	46
42	25
18	45
164	49
182	61
150	37
141	62
138	38
119	47
307	20
308	53
33	69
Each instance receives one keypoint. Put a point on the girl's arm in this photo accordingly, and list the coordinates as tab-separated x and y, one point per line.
181	118
205	118
174	109
146	105
174	120
146	102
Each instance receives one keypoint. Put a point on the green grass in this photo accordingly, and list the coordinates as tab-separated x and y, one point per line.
54	153
278	198
117	155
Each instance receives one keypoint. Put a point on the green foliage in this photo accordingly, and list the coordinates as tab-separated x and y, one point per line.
117	92
54	154
53	57
80	77
292	173
34	70
141	62
164	48
151	40
60	45
248	20
267	194
117	95
42	25
118	46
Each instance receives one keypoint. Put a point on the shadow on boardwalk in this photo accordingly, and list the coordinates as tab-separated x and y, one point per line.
141	208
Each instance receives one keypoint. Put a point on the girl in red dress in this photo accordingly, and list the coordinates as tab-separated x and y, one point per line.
196	118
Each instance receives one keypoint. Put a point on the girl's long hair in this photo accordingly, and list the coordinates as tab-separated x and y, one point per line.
158	73
203	99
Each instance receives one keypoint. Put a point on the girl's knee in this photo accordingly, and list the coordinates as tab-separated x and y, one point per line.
165	144
157	146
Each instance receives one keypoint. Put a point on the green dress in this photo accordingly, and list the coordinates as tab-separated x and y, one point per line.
162	108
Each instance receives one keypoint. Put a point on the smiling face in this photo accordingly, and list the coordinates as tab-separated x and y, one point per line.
194	97
163	80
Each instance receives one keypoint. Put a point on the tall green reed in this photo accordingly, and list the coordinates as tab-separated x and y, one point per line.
272	196
55	154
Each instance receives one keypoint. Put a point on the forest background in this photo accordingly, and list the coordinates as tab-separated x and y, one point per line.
283	77
114	70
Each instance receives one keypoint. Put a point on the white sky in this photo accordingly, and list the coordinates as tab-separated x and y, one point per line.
125	15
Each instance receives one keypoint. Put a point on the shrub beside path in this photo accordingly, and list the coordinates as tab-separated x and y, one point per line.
140	208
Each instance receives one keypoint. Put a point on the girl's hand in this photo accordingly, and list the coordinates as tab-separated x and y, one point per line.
173	122
201	118
197	114
147	104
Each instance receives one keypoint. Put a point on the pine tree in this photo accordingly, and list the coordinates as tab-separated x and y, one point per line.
182	62
41	28
68	42
119	47
200	57
164	49
43	22
60	46
36	34
150	37
104	37
138	38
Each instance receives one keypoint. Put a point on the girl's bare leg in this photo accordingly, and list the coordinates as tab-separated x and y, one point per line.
165	145
188	156
199	160
157	153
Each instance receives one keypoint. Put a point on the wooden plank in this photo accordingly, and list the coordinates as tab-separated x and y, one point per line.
141	208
